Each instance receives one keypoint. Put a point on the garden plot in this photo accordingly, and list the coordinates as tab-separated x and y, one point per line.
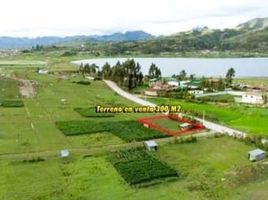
126	130
138	167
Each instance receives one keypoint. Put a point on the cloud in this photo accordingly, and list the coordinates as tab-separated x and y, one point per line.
86	17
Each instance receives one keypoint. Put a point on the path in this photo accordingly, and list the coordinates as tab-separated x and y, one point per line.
210	125
26	88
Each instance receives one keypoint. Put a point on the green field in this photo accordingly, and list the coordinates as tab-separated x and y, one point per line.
8	88
30	140
252	120
225	98
202	168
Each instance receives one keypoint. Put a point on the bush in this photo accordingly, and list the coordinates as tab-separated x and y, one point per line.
137	166
12	103
82	82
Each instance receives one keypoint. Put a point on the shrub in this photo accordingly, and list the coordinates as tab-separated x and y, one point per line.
82	82
12	103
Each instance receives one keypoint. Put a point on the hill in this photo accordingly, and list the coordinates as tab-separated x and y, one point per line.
24	42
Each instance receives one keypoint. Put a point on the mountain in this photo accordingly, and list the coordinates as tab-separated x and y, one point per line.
128	36
17	42
257	23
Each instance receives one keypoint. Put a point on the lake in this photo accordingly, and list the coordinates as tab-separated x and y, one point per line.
244	67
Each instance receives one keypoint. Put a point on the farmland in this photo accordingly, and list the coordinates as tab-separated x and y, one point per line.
126	130
31	137
138	167
252	120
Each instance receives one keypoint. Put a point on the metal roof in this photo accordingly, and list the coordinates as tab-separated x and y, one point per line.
256	152
150	143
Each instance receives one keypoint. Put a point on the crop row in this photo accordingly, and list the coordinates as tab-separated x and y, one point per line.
138	167
126	130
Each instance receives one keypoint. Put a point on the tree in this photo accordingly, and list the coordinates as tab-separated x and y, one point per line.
182	75
229	76
154	72
192	77
106	71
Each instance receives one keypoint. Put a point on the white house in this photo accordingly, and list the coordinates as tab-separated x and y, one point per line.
252	98
196	92
151	93
151	145
42	71
64	153
173	83
256	155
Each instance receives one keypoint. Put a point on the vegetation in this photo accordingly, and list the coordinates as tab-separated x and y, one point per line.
126	130
91	112
80	127
132	130
11	103
139	167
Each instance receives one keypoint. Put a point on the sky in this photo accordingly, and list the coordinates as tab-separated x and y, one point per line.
32	18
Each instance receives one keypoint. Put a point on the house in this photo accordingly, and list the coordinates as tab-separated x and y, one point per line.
256	155
252	98
173	83
196	92
185	126
42	71
151	92
151	145
64	153
152	82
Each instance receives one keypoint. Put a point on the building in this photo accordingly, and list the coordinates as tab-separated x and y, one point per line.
256	155
42	71
64	153
185	126
151	92
151	145
173	83
252	98
196	92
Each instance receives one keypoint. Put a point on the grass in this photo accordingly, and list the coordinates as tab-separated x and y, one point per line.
8	88
252	120
91	112
204	163
139	167
168	124
225	98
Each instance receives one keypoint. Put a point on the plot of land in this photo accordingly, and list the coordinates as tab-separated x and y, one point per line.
126	130
168	124
137	166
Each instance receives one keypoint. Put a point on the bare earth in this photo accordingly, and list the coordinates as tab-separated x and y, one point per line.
26	88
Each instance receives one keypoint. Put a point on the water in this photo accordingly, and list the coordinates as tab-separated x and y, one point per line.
244	67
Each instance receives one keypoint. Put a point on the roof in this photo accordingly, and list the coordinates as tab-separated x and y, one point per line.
64	153
256	152
151	143
253	94
184	125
